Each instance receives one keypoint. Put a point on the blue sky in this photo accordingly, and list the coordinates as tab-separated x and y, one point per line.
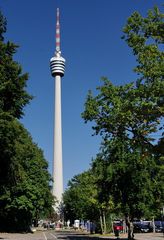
91	43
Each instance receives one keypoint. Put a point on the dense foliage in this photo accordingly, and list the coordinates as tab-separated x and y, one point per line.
24	178
129	168
80	198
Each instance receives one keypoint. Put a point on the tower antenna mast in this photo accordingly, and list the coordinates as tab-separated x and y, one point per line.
58	31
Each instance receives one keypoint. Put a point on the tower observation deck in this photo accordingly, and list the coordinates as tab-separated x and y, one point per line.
57	65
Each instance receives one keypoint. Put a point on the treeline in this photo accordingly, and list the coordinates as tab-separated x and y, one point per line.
25	194
126	179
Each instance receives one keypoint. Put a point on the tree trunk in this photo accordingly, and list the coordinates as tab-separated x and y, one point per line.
104	221
101	223
153	225
130	229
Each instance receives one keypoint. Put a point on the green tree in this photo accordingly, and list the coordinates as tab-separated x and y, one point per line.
25	194
24	178
128	178
127	117
36	186
13	96
80	198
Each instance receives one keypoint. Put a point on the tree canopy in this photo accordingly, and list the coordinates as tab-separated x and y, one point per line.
80	198
130	120
133	114
24	179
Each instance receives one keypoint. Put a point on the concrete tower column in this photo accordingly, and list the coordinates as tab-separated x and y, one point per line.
57	164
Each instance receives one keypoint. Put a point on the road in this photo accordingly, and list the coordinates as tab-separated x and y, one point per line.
64	235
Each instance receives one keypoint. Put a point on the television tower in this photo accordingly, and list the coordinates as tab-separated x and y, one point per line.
57	66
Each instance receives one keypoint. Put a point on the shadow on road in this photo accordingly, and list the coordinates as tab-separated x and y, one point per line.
83	237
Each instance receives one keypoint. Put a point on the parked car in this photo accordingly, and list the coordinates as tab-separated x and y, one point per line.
117	226
141	228
159	226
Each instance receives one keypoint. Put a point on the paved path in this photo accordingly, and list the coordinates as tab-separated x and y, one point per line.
52	235
145	236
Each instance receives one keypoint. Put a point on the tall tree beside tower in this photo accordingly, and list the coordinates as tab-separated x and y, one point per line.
130	119
24	177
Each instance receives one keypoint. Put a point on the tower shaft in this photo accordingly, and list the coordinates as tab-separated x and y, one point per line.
58	166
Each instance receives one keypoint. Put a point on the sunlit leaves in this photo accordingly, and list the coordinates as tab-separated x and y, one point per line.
24	179
129	118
